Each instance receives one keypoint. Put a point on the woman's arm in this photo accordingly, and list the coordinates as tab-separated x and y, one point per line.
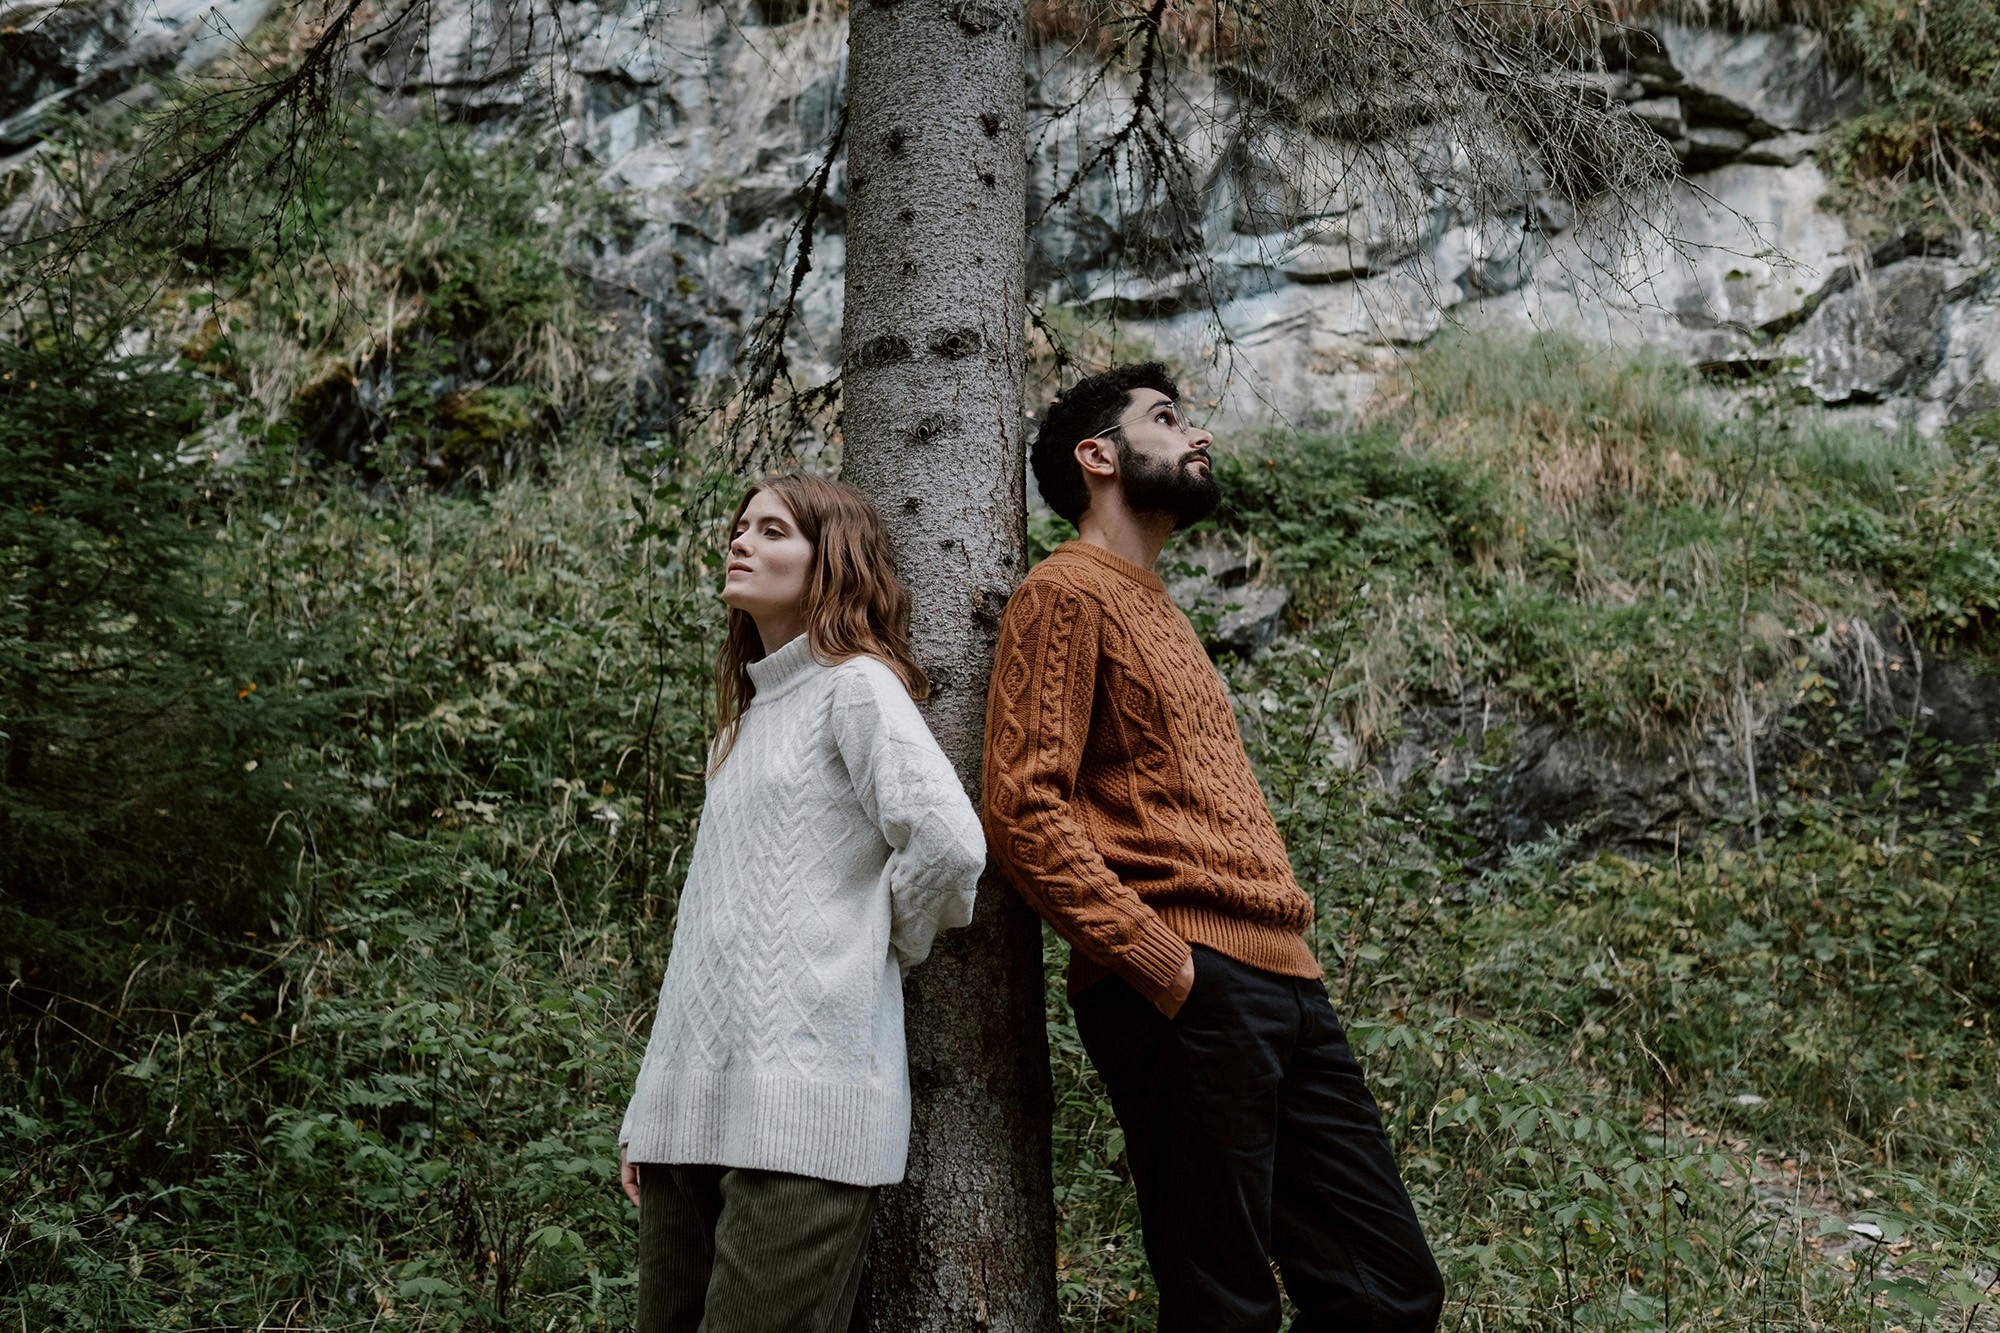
910	792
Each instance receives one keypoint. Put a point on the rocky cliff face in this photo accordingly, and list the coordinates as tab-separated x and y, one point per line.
1323	259
1742	269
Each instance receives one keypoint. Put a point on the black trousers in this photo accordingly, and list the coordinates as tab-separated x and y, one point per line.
1252	1139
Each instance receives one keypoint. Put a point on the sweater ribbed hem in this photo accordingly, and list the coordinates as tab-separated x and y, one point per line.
1267	948
857	1134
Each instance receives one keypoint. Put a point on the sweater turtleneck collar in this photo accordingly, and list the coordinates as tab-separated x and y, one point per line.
1117	564
778	671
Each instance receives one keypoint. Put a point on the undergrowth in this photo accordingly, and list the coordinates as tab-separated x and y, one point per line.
1736	1087
1924	156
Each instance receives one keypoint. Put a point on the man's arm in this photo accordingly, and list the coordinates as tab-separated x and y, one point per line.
1037	718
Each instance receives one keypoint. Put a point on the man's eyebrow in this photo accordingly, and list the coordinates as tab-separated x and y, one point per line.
1164	402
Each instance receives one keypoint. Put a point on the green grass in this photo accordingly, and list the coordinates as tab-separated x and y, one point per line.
1587	533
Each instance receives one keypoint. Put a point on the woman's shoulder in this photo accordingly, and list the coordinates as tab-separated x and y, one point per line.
867	673
871	683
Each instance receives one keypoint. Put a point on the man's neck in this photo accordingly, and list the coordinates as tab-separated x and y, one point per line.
1131	536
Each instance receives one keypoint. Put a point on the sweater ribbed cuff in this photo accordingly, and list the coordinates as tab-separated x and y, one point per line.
1152	963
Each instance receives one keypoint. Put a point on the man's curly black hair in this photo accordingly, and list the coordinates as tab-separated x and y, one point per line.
1087	408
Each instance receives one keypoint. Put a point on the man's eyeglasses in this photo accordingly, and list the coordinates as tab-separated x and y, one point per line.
1175	418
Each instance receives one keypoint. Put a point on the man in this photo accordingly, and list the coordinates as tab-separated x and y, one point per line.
1120	802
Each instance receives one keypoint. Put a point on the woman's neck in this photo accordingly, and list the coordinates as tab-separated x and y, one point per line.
777	630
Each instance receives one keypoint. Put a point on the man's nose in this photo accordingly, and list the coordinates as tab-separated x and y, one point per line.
1199	438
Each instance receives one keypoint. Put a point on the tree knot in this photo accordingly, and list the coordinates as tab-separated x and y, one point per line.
930	428
976	17
884	350
954	344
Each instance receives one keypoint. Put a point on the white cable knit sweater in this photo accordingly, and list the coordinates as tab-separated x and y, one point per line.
835	843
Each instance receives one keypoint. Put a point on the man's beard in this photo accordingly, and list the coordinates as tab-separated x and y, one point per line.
1178	488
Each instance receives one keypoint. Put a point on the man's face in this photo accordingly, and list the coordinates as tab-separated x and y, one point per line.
1163	462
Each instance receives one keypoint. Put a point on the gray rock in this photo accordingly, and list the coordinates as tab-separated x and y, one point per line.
1892	684
1533	775
1327	261
1537	776
1216	591
1266	199
1967	380
1139	296
1373	236
1785	78
75	56
1873	337
1781	150
1324	256
1744	254
1491	256
1710	146
1551	215
1662	115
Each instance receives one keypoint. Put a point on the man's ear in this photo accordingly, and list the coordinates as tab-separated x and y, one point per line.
1097	457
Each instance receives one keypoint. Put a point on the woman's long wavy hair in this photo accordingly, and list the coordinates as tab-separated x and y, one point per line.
854	602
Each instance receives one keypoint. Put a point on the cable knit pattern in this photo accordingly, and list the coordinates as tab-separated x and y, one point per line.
835	843
1118	797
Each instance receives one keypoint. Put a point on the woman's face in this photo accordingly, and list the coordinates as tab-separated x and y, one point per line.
770	561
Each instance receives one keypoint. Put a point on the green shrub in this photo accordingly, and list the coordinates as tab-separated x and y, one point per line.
395	1100
385	293
1923	155
146	738
1350	502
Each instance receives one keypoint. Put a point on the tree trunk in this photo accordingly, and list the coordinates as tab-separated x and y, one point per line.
932	362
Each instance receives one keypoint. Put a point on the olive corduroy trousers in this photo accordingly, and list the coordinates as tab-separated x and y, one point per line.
731	1250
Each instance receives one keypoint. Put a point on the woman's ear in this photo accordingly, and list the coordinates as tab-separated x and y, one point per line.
1097	457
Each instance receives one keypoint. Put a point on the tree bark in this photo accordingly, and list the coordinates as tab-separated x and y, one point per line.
931	364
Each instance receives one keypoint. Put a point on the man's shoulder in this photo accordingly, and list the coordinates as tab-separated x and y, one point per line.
1064	574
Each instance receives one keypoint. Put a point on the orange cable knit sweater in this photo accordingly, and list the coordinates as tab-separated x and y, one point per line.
1118	797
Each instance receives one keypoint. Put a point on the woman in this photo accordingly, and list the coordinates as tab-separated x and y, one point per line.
835	843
